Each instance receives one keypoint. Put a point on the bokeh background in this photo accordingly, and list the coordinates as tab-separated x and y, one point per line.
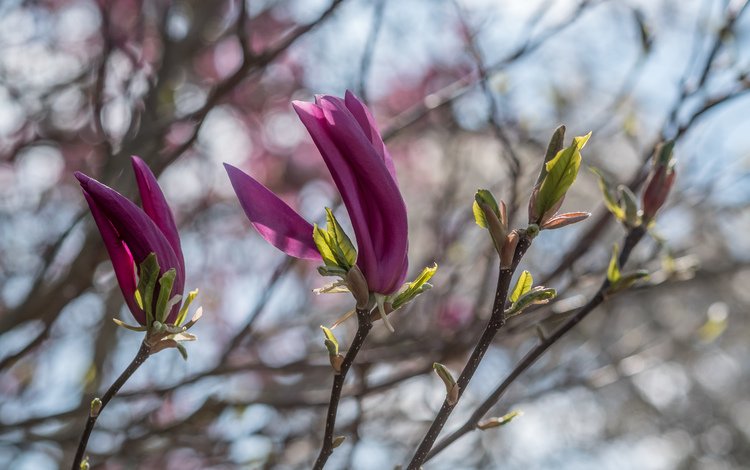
467	94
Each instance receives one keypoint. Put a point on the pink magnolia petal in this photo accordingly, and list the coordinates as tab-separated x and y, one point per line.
135	228
370	128
156	207
122	259
274	220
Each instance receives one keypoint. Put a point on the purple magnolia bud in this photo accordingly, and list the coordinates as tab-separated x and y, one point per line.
130	233
362	169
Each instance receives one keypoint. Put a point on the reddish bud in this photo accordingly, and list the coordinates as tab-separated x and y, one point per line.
659	182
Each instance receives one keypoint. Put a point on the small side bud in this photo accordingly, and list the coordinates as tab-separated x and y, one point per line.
451	387
95	407
357	285
337	441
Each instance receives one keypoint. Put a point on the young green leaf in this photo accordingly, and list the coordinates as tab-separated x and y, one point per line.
166	281
613	270
629	205
484	196
555	145
322	242
185	306
148	274
128	327
536	296
451	388
342	246
523	285
561	173
330	341
414	288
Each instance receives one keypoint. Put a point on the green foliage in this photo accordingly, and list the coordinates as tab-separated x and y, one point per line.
165	290
332	345
185	306
416	287
484	197
561	173
555	145
610	200
613	270
523	285
148	274
334	244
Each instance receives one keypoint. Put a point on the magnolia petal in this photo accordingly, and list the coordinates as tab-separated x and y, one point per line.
274	220
370	193
133	226
122	259
370	128
155	206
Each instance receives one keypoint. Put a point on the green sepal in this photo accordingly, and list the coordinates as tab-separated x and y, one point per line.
414	288
129	327
334	244
332	345
613	270
610	200
484	196
561	173
148	275
185	306
166	281
523	285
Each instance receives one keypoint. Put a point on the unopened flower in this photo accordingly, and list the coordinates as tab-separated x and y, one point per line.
131	234
348	139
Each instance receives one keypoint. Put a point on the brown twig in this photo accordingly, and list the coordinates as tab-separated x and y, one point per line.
140	358
497	320
631	240
365	325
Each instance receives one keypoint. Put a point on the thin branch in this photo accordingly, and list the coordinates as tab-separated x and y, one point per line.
140	358
631	240
497	320
365	325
